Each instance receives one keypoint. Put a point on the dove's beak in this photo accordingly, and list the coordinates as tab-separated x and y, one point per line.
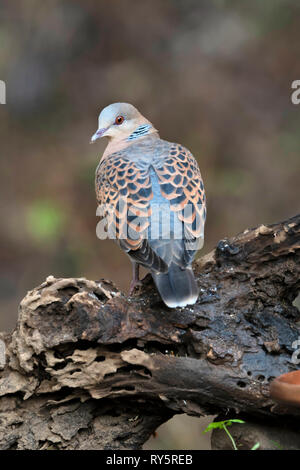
98	134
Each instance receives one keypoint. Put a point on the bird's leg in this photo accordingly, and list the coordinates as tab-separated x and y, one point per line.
135	277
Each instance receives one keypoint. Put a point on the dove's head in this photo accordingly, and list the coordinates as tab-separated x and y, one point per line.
122	121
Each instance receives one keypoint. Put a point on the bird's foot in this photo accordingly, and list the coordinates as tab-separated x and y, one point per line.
134	283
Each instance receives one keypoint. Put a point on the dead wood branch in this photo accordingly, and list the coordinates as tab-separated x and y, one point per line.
89	368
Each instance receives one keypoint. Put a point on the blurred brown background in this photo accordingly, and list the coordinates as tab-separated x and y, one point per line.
214	75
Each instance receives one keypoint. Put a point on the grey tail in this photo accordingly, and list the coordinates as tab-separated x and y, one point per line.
177	287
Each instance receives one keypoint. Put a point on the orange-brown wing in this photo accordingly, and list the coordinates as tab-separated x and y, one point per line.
181	184
123	191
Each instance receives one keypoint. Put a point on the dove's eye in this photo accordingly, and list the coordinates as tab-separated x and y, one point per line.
119	120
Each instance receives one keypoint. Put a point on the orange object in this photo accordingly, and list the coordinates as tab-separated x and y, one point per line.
286	388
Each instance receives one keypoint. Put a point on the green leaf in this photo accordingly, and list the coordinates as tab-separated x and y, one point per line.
221	424
256	446
234	421
215	425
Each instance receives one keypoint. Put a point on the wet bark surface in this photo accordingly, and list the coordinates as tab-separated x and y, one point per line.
89	368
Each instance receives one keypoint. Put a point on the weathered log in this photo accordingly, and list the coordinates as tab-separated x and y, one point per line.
89	368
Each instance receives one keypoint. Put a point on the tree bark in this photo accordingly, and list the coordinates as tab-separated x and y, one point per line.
89	368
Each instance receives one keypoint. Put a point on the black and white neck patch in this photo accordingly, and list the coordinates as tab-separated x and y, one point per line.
140	131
